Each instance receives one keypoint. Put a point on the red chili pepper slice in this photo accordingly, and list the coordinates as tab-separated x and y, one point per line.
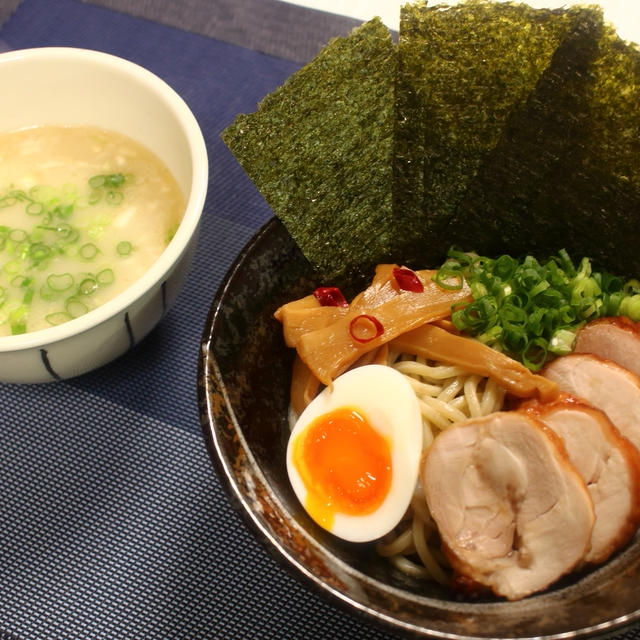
407	280
330	297
364	328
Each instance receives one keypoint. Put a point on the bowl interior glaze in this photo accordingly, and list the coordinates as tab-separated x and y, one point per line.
244	373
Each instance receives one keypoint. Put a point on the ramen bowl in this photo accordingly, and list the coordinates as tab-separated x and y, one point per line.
77	87
244	376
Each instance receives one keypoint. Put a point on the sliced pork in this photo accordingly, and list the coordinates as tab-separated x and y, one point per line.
512	511
604	384
616	339
607	462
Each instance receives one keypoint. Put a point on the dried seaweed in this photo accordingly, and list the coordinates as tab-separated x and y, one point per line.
320	147
596	195
466	68
492	126
409	140
566	172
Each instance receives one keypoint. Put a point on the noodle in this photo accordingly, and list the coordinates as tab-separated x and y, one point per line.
446	395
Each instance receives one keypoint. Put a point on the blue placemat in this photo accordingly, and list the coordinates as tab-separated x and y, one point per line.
112	521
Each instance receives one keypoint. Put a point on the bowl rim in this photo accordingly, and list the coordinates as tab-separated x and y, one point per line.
194	204
240	491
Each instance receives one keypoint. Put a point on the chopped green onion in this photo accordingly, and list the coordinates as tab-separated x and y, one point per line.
18	320
562	342
531	309
124	248
95	182
95	197
18	235
114	180
60	281
88	286
75	307
448	279
58	317
89	251
63	211
630	306
35	208
111	180
105	277
39	252
114	197
27	253
20	281
534	354
12	267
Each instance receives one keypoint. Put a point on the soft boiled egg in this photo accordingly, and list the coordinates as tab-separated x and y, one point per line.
354	452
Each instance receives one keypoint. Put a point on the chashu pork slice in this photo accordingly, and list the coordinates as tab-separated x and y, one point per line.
604	384
607	462
616	339
512	511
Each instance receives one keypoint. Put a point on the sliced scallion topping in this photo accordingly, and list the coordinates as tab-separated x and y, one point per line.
57	224
114	197
60	281
531	309
35	208
105	277
18	320
124	248
94	197
58	317
95	182
87	286
75	308
12	267
18	235
89	251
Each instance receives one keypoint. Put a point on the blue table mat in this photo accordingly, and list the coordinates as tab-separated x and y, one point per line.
112	521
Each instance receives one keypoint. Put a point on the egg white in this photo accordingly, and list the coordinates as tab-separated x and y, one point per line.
387	401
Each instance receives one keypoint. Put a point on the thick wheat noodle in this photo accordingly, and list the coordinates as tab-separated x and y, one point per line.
451	390
399	544
421	388
446	395
409	567
432	416
460	396
435	373
420	509
471	393
425	552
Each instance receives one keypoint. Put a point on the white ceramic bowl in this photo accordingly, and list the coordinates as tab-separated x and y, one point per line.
66	86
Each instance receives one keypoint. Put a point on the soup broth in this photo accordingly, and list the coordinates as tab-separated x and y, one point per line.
84	213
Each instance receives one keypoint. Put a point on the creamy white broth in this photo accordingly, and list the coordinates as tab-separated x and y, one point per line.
84	212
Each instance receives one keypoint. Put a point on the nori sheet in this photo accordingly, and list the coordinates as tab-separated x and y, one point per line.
319	148
596	192
464	69
493	126
566	172
408	151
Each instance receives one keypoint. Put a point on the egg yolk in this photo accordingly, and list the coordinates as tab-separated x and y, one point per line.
345	465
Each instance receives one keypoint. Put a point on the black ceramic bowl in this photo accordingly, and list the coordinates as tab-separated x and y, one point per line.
244	374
